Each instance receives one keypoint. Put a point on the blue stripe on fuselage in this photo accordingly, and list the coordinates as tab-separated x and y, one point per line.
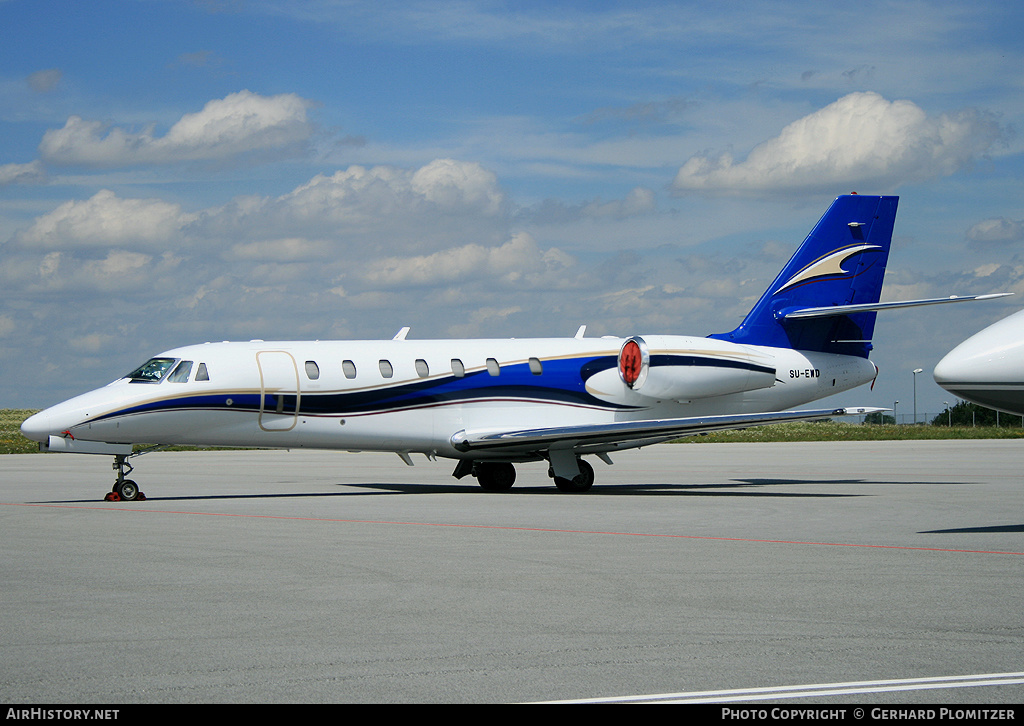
562	381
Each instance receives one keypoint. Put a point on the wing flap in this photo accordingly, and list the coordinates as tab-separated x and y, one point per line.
628	434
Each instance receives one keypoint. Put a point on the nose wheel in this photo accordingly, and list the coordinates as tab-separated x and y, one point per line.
124	489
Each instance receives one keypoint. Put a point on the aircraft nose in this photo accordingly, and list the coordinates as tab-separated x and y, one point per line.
990	356
37	427
953	367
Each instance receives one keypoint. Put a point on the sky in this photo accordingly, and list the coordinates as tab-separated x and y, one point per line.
174	172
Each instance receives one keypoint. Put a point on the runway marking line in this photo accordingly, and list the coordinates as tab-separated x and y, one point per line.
516	529
815	690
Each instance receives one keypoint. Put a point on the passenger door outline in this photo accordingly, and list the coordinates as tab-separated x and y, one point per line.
279	381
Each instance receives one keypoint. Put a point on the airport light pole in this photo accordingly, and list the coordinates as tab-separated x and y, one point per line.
895	418
916	371
949	415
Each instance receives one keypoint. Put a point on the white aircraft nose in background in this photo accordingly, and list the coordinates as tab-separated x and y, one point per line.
988	367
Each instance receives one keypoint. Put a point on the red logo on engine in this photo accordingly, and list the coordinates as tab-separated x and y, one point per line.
630	362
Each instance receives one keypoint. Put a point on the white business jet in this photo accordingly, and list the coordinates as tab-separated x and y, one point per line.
987	368
489	404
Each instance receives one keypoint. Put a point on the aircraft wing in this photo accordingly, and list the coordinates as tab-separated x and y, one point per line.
595	438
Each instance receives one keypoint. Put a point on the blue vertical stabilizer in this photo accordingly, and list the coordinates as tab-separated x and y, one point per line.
842	262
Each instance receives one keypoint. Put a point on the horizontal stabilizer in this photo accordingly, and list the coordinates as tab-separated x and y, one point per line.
829	310
629	434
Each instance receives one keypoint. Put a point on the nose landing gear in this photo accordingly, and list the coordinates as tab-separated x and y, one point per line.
124	489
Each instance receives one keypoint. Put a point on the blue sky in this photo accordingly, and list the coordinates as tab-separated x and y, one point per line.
175	172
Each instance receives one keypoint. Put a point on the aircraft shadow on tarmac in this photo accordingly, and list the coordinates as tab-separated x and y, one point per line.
274	495
734	488
369	489
996	529
653	489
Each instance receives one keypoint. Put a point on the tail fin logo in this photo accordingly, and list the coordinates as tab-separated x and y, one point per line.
829	265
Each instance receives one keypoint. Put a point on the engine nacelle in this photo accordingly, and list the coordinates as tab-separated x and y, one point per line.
684	375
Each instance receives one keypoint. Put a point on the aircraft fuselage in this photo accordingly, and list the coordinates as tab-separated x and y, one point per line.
415	395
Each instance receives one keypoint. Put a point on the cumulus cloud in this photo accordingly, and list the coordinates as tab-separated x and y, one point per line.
106	220
996	231
364	212
378	233
861	140
452	184
517	261
146	280
379	209
281	250
448	185
240	124
31	173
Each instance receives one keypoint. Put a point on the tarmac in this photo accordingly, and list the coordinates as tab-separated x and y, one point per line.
860	572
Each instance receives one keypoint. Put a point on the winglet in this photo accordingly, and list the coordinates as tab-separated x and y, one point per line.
400	335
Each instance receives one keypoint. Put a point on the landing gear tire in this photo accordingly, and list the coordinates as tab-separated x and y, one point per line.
580	483
127	489
495	476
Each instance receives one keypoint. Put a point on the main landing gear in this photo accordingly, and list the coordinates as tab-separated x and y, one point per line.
579	483
124	489
495	476
499	476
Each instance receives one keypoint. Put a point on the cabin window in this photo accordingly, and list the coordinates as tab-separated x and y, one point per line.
152	371
349	369
422	369
385	369
458	370
535	367
312	370
180	374
201	373
492	367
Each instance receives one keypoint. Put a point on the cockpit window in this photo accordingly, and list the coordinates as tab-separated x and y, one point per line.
152	371
180	374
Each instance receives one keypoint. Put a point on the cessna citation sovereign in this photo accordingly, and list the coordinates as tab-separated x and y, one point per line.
489	404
